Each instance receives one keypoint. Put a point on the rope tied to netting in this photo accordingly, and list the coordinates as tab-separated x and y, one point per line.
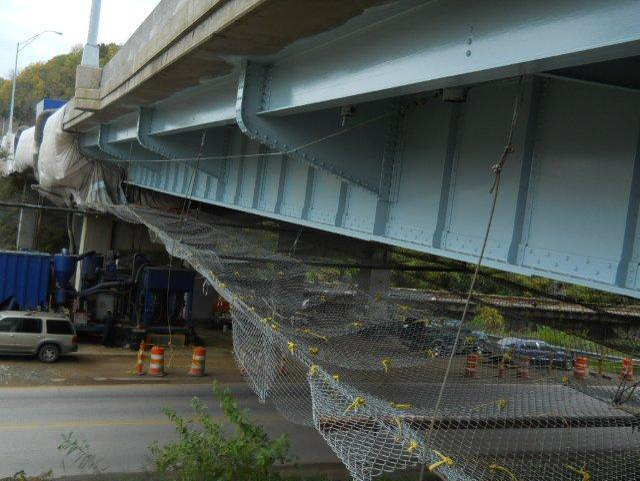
494	191
581	471
357	403
386	363
311	333
443	460
501	469
400	406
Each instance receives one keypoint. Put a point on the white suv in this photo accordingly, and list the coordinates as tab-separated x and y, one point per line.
45	334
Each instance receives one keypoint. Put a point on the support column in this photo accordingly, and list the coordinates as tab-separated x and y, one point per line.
26	237
96	236
375	283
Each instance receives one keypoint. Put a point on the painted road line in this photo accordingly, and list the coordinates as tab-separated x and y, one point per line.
86	424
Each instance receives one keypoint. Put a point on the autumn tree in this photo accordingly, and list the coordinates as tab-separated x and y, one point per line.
54	78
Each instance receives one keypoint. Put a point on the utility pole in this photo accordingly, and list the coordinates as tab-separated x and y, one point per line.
91	52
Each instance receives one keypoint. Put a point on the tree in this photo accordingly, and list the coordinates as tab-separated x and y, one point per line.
54	78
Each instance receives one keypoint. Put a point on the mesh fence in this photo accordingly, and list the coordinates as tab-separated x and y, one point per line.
525	397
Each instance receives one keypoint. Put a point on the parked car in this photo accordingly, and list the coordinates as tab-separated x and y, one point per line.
440	338
45	334
538	352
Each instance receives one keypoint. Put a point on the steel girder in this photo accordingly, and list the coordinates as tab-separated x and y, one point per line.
414	46
412	170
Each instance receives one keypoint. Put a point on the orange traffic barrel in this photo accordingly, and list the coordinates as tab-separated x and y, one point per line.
580	369
626	371
523	368
140	360
197	362
156	366
471	368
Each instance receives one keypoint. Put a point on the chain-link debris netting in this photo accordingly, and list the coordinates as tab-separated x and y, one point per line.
368	371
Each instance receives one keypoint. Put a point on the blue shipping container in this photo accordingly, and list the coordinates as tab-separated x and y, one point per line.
25	277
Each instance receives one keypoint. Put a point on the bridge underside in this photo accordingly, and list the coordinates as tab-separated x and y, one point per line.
350	132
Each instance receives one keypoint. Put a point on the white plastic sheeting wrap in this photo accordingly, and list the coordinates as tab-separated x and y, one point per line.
6	144
23	158
64	172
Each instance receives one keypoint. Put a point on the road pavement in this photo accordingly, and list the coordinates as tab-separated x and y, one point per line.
119	422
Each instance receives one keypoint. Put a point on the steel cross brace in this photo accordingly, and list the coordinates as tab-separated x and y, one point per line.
185	146
348	142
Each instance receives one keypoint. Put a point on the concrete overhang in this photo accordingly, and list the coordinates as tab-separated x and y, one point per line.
184	42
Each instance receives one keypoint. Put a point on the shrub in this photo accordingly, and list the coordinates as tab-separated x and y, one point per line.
205	452
488	319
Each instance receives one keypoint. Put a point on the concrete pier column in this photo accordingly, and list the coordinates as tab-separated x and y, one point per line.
376	283
95	236
27	224
27	229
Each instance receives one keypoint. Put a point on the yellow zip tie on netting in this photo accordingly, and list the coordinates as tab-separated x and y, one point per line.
267	320
502	403
377	296
386	362
403	308
336	377
291	346
313	369
222	285
582	471
358	402
430	353
399	406
443	460
237	273
314	334
565	380
280	274
313	350
502	469
397	437
355	324
413	445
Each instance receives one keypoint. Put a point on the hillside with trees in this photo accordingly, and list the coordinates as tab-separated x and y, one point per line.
54	78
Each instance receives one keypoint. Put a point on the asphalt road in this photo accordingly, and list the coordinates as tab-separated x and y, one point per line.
119	423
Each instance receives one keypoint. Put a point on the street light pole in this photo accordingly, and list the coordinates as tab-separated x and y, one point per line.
91	52
20	46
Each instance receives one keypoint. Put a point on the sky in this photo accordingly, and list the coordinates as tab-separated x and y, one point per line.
20	19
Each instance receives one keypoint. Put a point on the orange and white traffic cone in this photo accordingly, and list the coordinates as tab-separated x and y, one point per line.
197	362
580	369
626	371
140	360
471	368
156	366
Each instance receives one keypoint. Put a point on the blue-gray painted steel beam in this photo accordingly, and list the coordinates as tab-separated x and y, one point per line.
319	138
414	46
568	206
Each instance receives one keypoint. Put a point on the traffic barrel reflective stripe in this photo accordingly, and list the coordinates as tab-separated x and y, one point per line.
197	362
140	360
626	371
156	366
580	369
471	368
